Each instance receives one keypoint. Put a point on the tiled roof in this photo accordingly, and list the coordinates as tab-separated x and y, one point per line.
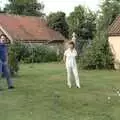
114	29
28	28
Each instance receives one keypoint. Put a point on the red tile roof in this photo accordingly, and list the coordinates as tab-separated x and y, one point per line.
28	28
114	29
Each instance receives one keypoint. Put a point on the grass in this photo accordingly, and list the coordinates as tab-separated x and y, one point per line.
41	94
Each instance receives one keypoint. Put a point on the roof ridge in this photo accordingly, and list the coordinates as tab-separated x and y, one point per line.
14	15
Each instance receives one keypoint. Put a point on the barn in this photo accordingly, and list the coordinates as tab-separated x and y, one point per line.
29	29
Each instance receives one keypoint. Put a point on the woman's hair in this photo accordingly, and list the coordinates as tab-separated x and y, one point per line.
3	35
71	43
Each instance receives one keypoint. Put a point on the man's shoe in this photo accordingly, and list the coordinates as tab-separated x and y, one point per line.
11	87
1	89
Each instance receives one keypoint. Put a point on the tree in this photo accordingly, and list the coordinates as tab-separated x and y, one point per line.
57	21
110	9
24	7
99	54
82	22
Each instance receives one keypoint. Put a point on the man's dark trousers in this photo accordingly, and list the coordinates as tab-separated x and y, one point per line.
5	71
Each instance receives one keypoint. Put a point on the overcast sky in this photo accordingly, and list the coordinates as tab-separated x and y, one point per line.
63	5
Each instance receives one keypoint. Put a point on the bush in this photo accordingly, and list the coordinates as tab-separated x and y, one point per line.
13	61
16	53
34	53
39	53
97	56
29	54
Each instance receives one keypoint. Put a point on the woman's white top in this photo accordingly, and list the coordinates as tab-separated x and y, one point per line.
70	57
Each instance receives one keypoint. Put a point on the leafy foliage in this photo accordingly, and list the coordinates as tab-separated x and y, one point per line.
57	21
33	53
25	53
39	53
24	7
13	61
82	22
98	55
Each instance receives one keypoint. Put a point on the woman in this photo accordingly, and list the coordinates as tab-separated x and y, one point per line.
71	66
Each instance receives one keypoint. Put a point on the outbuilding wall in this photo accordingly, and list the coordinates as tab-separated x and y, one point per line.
114	42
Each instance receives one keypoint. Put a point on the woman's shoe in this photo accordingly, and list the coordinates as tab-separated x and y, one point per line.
78	86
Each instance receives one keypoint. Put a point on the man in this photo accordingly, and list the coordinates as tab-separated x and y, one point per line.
4	61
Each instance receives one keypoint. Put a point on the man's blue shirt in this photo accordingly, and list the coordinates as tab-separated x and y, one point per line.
3	52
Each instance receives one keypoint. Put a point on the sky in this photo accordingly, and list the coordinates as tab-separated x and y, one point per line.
66	6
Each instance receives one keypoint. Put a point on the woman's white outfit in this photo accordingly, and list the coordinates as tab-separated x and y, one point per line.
71	67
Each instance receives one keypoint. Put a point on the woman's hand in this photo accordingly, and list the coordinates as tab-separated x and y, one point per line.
64	59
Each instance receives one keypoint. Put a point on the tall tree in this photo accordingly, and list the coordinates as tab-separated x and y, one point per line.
82	22
99	55
57	21
110	9
24	7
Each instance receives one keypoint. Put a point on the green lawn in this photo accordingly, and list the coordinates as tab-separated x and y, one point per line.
41	94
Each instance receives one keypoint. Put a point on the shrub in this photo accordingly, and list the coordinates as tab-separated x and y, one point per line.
13	61
97	56
39	53
29	54
34	53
